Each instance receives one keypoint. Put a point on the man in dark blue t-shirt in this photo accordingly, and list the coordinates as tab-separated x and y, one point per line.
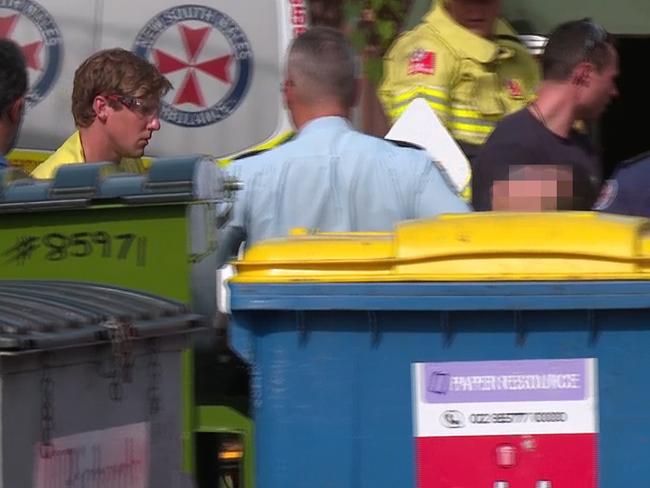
536	159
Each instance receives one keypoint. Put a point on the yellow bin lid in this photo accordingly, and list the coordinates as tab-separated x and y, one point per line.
486	246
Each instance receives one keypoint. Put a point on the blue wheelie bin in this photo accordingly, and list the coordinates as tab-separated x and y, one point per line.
485	350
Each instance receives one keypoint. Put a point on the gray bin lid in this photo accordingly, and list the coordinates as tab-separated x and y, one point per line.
181	179
50	314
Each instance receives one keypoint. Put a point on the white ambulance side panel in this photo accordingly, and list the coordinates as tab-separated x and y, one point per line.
224	59
55	37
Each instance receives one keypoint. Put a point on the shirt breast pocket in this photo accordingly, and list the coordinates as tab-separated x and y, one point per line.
479	90
488	94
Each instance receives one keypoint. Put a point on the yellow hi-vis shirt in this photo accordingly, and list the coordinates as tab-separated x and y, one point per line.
471	82
71	152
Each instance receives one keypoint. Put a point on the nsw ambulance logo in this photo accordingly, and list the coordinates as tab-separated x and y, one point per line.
206	56
33	28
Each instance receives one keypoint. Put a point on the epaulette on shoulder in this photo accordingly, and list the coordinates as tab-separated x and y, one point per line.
250	154
282	139
399	143
639	158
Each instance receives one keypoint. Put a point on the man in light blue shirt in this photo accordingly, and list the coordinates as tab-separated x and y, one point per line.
330	177
13	86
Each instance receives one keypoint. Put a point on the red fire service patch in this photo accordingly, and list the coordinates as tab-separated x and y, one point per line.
422	62
514	88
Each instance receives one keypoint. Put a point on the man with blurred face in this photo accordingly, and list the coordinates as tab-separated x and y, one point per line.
580	66
115	103
13	86
467	63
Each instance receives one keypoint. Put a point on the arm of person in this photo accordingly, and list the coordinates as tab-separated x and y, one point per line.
414	69
230	241
234	232
625	193
434	193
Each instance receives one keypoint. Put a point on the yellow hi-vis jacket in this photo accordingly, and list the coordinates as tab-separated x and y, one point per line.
471	82
71	152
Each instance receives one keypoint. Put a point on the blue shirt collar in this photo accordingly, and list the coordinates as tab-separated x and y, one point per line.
3	162
324	123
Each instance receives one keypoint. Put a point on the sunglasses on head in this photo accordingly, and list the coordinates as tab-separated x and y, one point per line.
596	35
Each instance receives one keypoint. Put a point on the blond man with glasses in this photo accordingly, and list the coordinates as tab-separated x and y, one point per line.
115	103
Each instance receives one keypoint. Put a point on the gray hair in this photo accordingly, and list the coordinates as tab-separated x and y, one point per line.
322	65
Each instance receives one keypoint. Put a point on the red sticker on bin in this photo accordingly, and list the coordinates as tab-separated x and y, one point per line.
422	62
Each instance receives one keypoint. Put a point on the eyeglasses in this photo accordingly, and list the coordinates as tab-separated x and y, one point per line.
146	108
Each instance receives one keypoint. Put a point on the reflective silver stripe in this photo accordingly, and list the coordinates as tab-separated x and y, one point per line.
467	136
470	121
429	98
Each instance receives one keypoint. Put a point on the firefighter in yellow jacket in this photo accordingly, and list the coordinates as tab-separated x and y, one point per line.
466	63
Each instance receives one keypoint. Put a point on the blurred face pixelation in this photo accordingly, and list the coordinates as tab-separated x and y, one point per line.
534	188
477	16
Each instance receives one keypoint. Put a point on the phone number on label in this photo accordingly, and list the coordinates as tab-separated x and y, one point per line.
517	417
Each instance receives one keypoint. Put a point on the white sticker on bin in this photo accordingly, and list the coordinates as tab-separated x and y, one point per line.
505	397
